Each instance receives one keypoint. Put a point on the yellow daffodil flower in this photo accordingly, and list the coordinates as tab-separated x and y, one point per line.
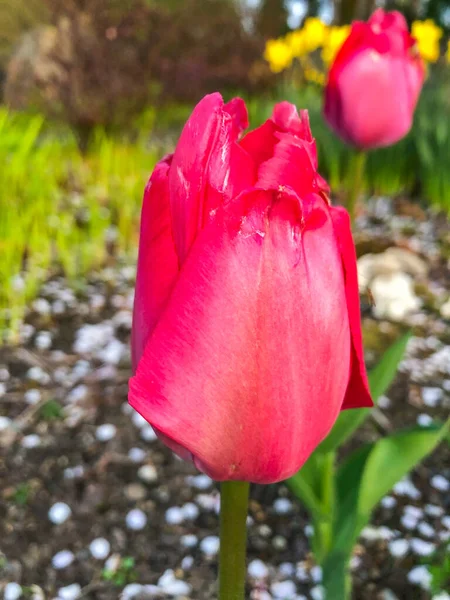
278	54
335	38
315	33
296	42
427	34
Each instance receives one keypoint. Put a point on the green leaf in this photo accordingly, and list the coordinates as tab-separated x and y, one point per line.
391	459
307	483
380	378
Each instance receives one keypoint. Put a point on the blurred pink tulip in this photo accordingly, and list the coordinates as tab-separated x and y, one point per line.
374	83
246	334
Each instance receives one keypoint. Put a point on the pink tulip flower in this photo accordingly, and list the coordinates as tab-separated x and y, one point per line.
246	336
374	82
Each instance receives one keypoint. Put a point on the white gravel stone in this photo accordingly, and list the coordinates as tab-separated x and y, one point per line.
70	592
200	482
398	548
426	529
12	591
405	487
441	596
432	396
63	559
384	402
446	521
74	472
137	455
317	593
39	375
260	595
421	547
138	420
210	545
78	394
208	502
409	521
440	483
283	590
187	563
105	432
4	374
174	515
257	569
42	306
112	353
148	434
43	340
286	570
173	586
59	513
5	423
282	506
131	591
433	510
420	576
100	548
424	420
309	530
316	574
388	502
31	441
189	540
136	519
32	396
302	572
148	473
190	511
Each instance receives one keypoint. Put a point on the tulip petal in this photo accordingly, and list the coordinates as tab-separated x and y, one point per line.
248	365
157	267
200	176
358	394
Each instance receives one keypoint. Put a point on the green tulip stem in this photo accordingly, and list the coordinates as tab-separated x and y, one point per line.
356	182
233	539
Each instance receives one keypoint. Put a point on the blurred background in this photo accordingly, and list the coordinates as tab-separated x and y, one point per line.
92	94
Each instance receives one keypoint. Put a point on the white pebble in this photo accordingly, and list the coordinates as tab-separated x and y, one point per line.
210	545
148	434
424	420
32	396
405	487
5	422
426	529
31	441
74	472
136	455
136	519
62	559
316	574
4	374
59	513
440	483
174	515
384	402
257	569
399	548
105	432
39	375
388	502
189	540
413	511
309	530
420	576
282	506
12	591
283	590
409	521
78	394
148	473
100	548
421	547
209	502
431	396
131	591
173	586
190	511
43	340
70	592
446	521
433	510
201	482
302	572
441	596
138	420
317	592
286	570
41	306
187	563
